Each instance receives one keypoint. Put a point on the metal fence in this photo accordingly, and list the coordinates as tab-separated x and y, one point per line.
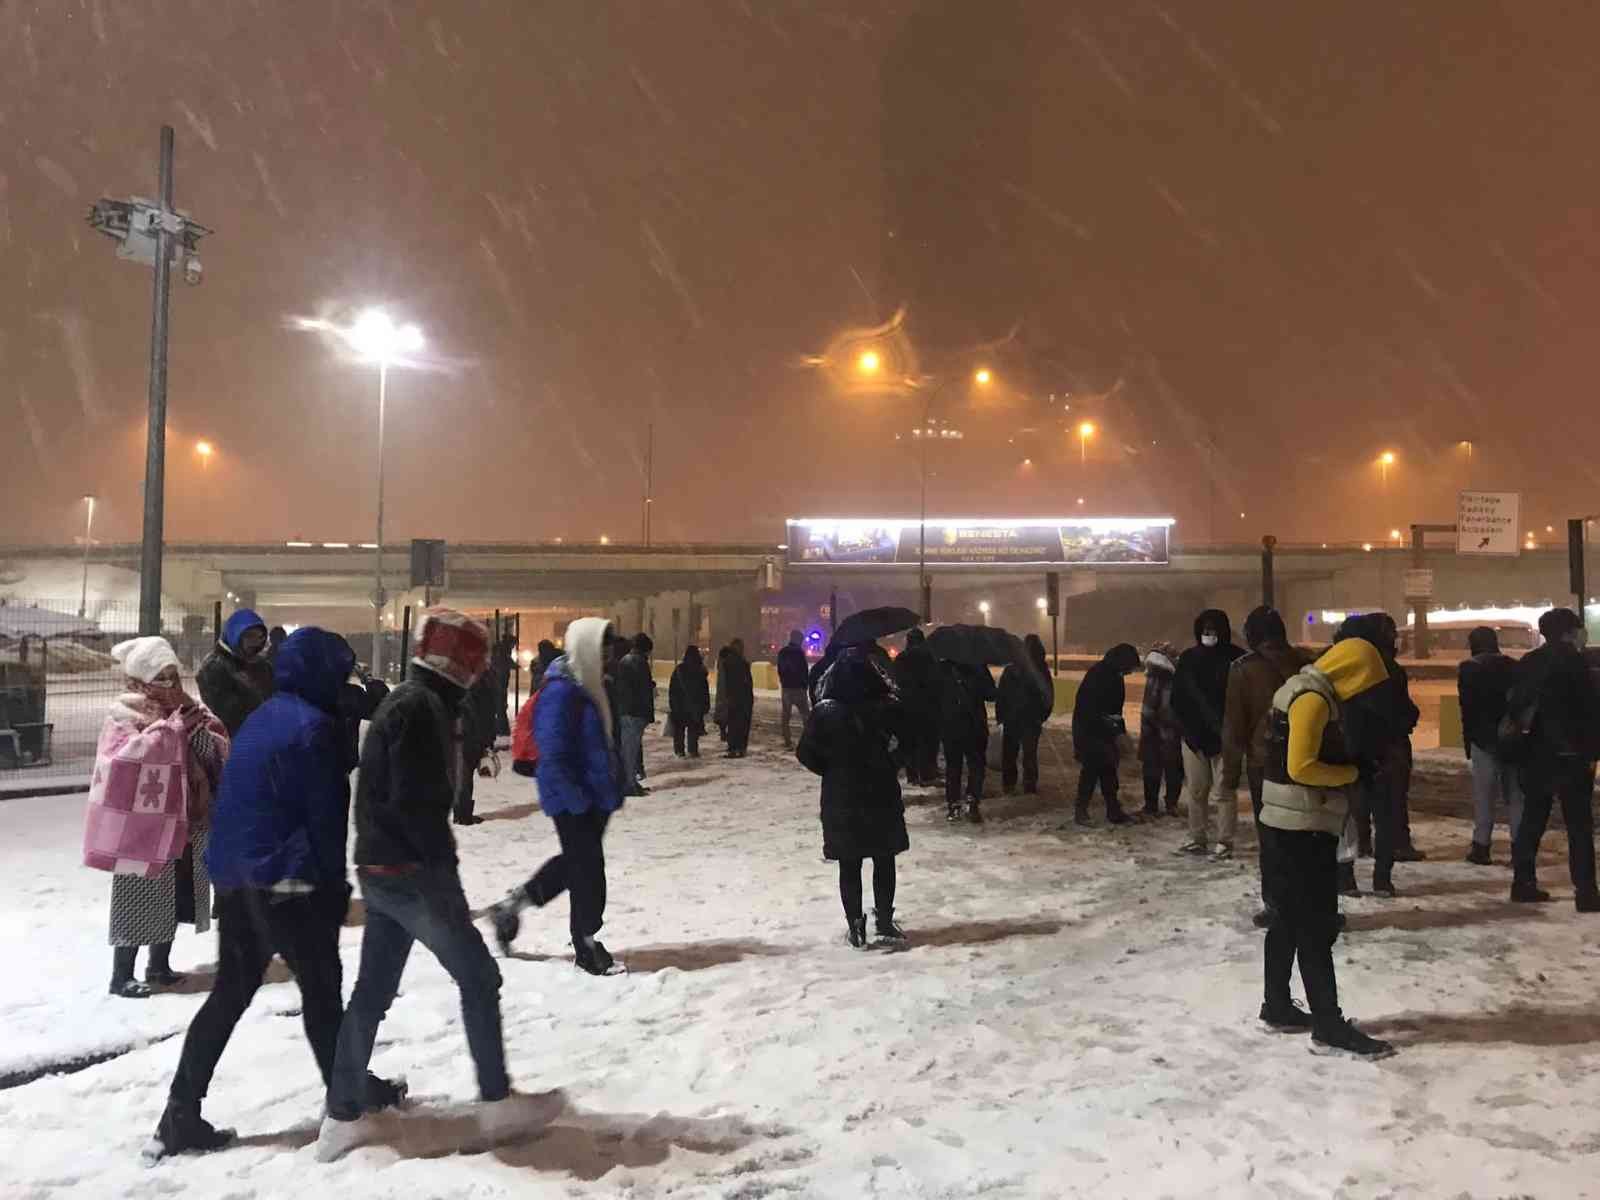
57	678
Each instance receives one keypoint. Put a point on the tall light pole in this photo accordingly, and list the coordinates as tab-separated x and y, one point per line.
88	540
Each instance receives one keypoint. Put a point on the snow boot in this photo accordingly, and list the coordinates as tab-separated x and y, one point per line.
1528	892
1479	855
887	930
1347	881
591	956
1286	1017
856	933
182	1129
1343	1038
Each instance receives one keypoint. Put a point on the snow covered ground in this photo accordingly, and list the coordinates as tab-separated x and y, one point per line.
1076	1016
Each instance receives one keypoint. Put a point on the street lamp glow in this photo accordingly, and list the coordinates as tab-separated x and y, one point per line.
983	607
378	339
205	450
869	362
983	377
1085	432
1041	604
1394	534
604	540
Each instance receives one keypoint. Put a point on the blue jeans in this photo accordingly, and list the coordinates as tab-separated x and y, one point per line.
427	906
632	753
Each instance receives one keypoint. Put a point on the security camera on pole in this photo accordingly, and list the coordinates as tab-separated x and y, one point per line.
156	234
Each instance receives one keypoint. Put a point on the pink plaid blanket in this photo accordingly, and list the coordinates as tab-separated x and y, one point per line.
138	819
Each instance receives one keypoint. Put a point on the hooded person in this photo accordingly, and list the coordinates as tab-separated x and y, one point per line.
481	713
736	681
1200	696
965	691
688	702
1098	729
794	680
636	710
1022	712
276	636
1482	683
410	879
719	701
1160	741
148	819
1553	698
543	656
236	676
578	778
277	857
849	740
916	675
1253	680
1308	775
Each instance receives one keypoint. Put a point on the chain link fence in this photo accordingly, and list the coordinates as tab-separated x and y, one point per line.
57	678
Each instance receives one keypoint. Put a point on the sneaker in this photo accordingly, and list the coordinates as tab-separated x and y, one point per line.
1288	1017
1528	893
517	1116
974	816
1193	847
591	956
1478	855
130	989
1222	853
337	1138
1344	1038
952	813
856	934
182	1131
507	924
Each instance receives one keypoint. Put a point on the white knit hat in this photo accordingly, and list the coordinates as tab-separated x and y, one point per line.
144	658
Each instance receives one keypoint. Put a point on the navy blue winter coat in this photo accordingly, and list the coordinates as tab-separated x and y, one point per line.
575	771
282	808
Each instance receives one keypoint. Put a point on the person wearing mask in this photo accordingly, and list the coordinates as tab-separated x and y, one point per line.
1305	802
1098	730
1482	684
849	740
741	691
477	725
1200	696
157	764
410	879
578	791
1252	682
636	700
277	858
1160	739
916	675
236	677
1553	698
688	702
1022	712
794	678
965	691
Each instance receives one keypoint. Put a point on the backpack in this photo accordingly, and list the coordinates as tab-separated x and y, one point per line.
524	750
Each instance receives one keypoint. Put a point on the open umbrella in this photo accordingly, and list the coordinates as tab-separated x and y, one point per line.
987	646
870	624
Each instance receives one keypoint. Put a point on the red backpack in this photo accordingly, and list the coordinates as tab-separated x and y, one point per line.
524	750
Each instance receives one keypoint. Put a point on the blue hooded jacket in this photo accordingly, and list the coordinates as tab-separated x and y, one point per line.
237	625
283	806
575	771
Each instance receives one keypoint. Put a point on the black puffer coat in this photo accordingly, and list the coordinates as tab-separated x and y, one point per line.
1097	720
1020	704
689	692
849	741
963	712
233	688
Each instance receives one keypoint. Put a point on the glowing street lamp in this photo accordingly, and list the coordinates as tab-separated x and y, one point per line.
983	607
869	362
1042	604
1385	461
1085	431
983	377
205	450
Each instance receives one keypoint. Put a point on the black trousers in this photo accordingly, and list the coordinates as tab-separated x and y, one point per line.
252	926
738	728
686	738
1256	777
882	885
1376	800
464	793
1546	779
1023	740
968	755
1300	883
921	752
1157	773
579	870
1098	769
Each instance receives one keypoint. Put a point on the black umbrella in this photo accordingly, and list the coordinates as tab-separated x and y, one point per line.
870	624
987	646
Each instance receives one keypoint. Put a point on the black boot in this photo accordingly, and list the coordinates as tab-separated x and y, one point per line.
122	981
591	956
1479	855
856	933
1526	891
1342	1037
158	970
1285	1017
887	930
1347	880
1383	886
1115	815
182	1129
1588	900
974	815
1080	815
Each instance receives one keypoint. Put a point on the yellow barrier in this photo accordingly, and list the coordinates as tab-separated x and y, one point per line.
1066	696
1450	735
765	676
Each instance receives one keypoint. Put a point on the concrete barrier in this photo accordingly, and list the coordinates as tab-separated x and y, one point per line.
1450	735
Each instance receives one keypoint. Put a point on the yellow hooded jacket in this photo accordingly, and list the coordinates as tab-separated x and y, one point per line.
1302	792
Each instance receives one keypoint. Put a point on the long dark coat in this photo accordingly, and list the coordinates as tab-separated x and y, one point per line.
848	741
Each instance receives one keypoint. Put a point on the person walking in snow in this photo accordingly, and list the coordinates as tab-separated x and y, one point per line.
579	789
477	724
849	740
916	675
1098	731
1160	741
1482	683
1253	680
965	691
156	768
736	680
794	678
410	879
236	677
1022	712
277	857
1200	694
636	703
1305	800
688	701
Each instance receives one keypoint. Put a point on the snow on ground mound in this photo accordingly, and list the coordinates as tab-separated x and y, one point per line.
1075	1017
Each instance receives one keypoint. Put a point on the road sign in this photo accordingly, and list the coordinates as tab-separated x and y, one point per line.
1418	583
1052	593
427	562
1487	523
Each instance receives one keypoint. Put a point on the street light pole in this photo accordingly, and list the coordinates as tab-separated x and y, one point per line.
378	597
155	454
88	540
922	524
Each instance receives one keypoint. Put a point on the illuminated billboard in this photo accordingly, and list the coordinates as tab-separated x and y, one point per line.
978	541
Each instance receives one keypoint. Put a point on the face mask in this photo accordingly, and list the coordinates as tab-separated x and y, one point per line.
1208	639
